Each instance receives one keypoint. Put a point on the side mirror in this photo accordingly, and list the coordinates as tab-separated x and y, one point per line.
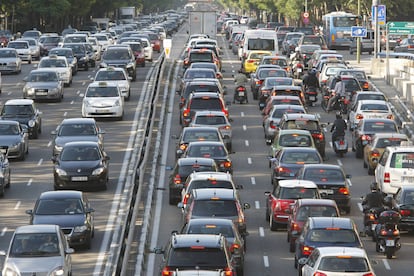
246	206
70	251
302	261
348	176
29	212
53	132
90	210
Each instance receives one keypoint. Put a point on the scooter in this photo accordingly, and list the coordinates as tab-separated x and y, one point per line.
311	95
240	94
387	234
297	69
340	145
341	104
263	99
370	221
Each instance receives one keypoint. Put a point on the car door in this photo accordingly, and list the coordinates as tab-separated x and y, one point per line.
379	170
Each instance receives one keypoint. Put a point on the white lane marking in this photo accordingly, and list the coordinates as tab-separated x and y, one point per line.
84	82
242	114
3	231
257	204
65	114
49	144
244	127
72	102
246	143
9	93
249	161
40	162
253	180
30	182
266	261
349	182
339	162
78	92
17	205
360	206
386	264
261	231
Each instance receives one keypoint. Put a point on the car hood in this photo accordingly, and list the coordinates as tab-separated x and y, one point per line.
102	102
7	60
61	220
62	140
35	265
41	84
80	167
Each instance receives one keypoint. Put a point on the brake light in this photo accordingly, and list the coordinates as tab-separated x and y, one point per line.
272	125
167	272
375	153
317	273
186	62
369	274
225	127
359	117
226	164
183	147
186	197
405	213
365	85
234	247
228	271
371	217
343	190
259	82
387	178
365	137
410	46
283	170
306	250
241	88
177	179
186	113
342	142
396	232
318	136
250	61
295	227
390	117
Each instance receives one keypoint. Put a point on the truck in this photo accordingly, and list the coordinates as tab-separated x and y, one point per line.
203	22
127	14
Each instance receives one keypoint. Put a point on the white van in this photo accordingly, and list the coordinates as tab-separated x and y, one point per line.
265	40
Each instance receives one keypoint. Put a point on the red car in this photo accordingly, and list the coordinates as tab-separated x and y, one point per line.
138	51
304	208
283	195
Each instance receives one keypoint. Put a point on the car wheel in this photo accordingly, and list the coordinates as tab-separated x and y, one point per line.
273	225
22	156
35	134
358	151
172	200
365	164
88	242
8	182
267	216
134	76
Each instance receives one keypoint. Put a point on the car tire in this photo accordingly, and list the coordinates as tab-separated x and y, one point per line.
88	243
172	200
8	182
365	164
35	134
358	152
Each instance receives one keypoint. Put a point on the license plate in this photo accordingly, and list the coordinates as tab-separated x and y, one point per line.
312	98
389	243
328	192
41	93
373	226
241	94
299	70
79	178
102	111
408	179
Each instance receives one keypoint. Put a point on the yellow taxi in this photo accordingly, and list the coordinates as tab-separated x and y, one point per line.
253	58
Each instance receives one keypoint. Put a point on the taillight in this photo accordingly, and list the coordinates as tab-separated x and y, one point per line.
343	191
225	127
342	142
226	164
186	62
272	125
365	138
283	170
177	179
410	46
234	248
317	273
186	113
369	274
183	147
250	61
390	117
225	111
365	85
186	197
371	217
396	232
359	117
318	136
241	88
306	250
405	213
295	227
375	153
228	271
259	82
387	178
167	272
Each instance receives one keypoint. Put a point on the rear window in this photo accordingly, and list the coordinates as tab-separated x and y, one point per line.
312	40
300	157
261	44
258	55
210	183
286	92
191	136
315	211
380	127
297	192
187	170
211	229
333	236
271	73
324	175
274	61
389	142
199	88
286	101
210	120
344	264
206	103
402	160
198	256
194	74
207	151
368	96
215	208
295	140
277	81
302	124
203	57
374	107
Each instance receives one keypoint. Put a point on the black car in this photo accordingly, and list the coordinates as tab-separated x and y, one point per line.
25	112
404	198
197	85
80	52
120	56
81	164
332	183
70	210
182	169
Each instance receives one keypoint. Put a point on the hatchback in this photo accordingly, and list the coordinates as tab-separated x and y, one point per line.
213	150
369	109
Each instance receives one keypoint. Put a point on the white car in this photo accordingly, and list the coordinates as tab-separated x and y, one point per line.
337	261
148	51
103	99
364	109
97	48
23	49
103	40
61	65
33	46
117	75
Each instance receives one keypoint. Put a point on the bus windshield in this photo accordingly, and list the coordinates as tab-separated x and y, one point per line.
344	21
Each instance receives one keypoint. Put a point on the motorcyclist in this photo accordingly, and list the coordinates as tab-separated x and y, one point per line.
374	199
339	126
296	56
310	80
338	91
240	80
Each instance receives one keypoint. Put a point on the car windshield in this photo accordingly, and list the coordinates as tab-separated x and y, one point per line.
198	256
110	75
34	244
59	206
18	45
17	110
324	175
7	54
43	77
295	140
210	120
116	54
300	158
9	129
80	154
344	264
212	229
297	192
208	151
77	130
214	208
332	235
315	211
110	91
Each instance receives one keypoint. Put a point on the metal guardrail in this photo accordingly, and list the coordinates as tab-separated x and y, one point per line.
396	55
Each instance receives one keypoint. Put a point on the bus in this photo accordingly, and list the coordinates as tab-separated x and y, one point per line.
337	29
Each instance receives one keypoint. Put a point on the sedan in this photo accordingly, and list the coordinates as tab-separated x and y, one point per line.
118	76
369	109
70	210
82	165
43	84
404	198
60	65
68	53
15	137
10	61
76	129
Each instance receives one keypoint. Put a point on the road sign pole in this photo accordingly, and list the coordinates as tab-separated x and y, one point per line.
376	31
358	38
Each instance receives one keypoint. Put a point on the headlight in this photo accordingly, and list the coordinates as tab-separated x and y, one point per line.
30	91
83	58
12	63
86	103
60	172
80	229
130	65
58	271
10	272
14	147
98	171
31	123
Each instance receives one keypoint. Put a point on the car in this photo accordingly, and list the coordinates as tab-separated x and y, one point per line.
70	210
155	40
201	55
5	175
25	112
306	50
304	208
75	38
337	260
288	90
332	183
48	42
313	39
80	52
369	109
225	227
188	251
316	56
14	136
196	73
308	122
330	69
199	85
10	61
262	72
366	43
92	55
359	74
76	129
289	160
406	45
281	99
70	57
138	51
146	45
351	85
96	47
278	201
103	99
43	84
216	119
367	95
33	46
290	138
211	149
395	169
270	82
36	34
103	40
326	232
374	149
23	49
252	60
216	203
115	75
120	56
40	250
366	128
290	41
182	169
81	164
60	65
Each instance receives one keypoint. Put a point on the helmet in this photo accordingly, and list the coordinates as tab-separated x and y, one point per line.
338	115
313	71
297	49
338	78
388	201
373	187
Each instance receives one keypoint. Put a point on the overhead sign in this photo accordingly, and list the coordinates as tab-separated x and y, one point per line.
382	14
357	31
401	28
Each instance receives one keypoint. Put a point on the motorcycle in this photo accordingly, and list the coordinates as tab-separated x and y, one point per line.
387	234
340	145
297	69
240	94
370	221
341	103
311	95
263	99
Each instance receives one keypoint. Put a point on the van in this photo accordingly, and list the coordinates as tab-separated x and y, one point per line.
366	43
265	40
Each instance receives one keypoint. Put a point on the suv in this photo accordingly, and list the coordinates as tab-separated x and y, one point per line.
395	169
202	101
25	112
326	231
187	251
120	56
308	122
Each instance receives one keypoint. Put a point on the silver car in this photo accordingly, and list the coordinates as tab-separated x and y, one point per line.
38	250
10	61
15	137
43	84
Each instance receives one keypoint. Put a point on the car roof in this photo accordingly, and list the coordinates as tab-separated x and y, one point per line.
213	220
316	201
44	69
293	183
201	128
214	194
209	175
78	121
104	83
19	102
294	131
195	160
61	194
323	166
331	222
295	116
37	228
205	94
188	240
342	251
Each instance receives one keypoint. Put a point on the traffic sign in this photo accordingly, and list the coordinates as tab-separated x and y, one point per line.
382	14
305	14
401	28
357	31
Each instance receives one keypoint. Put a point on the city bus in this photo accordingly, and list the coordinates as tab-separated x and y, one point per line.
337	29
